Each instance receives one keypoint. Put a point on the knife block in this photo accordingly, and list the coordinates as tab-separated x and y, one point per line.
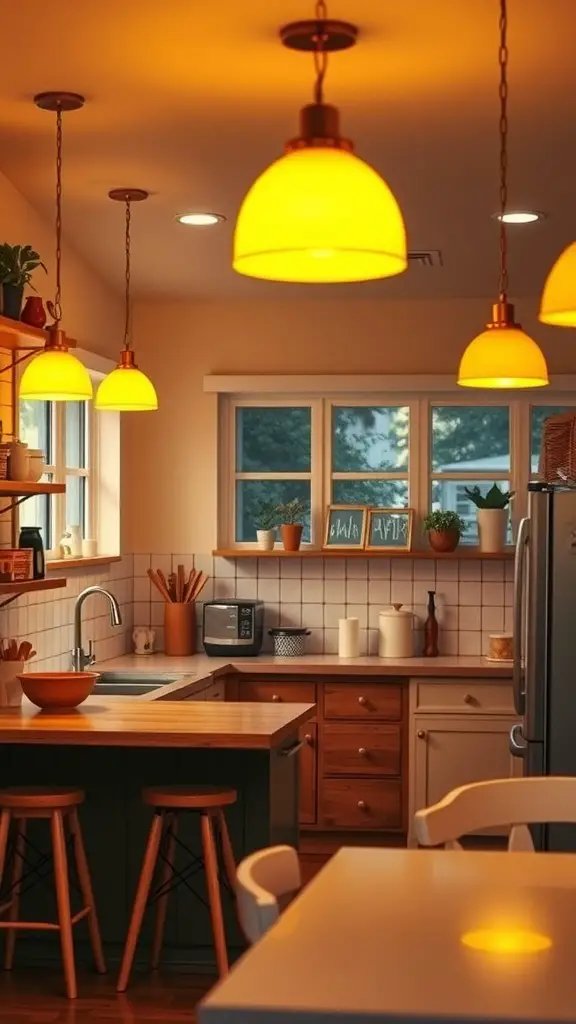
179	628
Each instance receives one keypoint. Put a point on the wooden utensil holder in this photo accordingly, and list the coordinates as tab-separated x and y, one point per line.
179	628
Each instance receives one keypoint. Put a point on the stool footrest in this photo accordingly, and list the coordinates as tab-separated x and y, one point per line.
46	925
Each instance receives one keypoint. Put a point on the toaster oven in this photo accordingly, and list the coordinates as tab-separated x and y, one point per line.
233	627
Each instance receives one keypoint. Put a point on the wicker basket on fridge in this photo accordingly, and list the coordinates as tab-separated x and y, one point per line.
558	451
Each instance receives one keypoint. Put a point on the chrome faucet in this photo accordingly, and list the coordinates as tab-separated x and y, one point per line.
81	660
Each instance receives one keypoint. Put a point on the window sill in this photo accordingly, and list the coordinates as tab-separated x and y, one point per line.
58	564
307	552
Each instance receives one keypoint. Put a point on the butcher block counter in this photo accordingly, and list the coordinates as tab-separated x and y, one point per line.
130	723
112	749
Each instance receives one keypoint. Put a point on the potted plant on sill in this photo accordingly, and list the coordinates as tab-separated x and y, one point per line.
266	521
444	530
17	264
492	516
291	517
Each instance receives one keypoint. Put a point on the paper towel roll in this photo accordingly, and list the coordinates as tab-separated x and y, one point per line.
348	638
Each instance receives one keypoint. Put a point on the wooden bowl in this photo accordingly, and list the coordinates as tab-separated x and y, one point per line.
57	690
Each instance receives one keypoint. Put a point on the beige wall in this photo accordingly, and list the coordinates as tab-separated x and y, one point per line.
92	314
169	478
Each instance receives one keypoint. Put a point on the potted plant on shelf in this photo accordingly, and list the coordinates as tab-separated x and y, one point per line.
492	516
444	530
291	517
266	521
17	264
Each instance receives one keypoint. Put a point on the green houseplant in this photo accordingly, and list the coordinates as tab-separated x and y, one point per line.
492	517
444	530
17	264
266	521
291	517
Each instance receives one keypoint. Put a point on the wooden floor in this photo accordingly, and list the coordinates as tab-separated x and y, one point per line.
36	997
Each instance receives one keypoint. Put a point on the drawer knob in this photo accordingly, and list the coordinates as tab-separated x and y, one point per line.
421	734
468	698
362	751
362	701
275	698
362	805
308	737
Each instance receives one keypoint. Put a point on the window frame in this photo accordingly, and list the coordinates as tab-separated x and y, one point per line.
420	475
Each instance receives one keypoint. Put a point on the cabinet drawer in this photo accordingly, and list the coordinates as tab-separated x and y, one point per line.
279	692
215	691
465	697
361	803
363	700
361	749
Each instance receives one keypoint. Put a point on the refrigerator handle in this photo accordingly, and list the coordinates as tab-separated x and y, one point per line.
518	746
517	636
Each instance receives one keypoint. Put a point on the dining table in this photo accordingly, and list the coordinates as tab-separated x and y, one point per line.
414	935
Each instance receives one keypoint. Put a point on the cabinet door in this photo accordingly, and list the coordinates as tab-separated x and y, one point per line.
308	773
452	752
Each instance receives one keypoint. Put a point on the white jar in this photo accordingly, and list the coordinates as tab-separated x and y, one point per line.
395	628
36	464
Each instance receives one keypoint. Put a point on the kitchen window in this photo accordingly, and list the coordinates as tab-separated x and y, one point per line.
399	449
65	431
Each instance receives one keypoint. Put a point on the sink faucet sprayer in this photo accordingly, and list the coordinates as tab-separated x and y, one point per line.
81	660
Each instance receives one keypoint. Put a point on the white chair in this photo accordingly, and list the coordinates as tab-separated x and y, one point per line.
263	881
498	803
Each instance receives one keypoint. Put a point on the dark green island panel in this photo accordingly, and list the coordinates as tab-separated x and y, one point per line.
115	825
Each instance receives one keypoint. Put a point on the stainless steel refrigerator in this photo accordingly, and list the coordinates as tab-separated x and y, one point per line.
544	673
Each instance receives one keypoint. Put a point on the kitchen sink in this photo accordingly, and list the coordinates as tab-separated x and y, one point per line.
133	684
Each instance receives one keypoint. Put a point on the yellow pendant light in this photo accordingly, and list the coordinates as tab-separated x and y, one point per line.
55	375
319	214
558	305
126	389
503	356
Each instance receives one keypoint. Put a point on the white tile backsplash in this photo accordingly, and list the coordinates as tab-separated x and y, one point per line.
473	599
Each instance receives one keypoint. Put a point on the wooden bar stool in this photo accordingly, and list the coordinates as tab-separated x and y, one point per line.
168	801
59	806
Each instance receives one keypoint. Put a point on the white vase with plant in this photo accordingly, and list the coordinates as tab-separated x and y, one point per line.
492	516
266	521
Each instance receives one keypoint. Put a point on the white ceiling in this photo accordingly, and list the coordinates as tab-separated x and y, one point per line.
191	100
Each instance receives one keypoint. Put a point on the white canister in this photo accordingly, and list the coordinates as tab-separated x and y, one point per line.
36	464
395	628
348	638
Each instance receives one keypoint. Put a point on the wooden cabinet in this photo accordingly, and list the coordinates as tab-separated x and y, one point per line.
352	749
308	773
361	804
363	700
458	745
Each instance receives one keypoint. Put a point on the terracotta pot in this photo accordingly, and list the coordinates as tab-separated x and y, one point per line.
179	629
34	313
291	534
443	541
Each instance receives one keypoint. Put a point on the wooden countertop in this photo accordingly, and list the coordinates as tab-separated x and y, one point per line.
199	667
377	935
133	723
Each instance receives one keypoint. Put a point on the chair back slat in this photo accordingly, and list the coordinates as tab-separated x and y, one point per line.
262	880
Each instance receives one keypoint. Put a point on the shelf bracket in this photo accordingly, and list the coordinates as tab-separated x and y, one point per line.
15	362
9	600
13	505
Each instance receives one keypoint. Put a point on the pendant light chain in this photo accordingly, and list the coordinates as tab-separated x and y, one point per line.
320	53
57	308
503	94
127	281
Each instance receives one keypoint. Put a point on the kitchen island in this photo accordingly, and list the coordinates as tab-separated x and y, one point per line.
112	748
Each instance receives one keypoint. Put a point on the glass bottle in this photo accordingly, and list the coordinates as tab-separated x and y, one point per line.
30	537
431	628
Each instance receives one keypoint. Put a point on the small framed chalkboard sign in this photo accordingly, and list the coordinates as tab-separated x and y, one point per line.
345	526
389	529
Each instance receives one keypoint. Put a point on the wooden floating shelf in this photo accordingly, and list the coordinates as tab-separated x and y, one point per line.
460	553
27	488
24	586
15	334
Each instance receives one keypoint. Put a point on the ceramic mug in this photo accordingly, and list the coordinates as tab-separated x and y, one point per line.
143	638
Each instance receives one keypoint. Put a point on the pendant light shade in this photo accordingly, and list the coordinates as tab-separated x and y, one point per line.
503	356
319	214
55	375
558	306
126	389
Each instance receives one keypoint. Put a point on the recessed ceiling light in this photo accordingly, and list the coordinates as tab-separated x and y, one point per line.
201	220
520	217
